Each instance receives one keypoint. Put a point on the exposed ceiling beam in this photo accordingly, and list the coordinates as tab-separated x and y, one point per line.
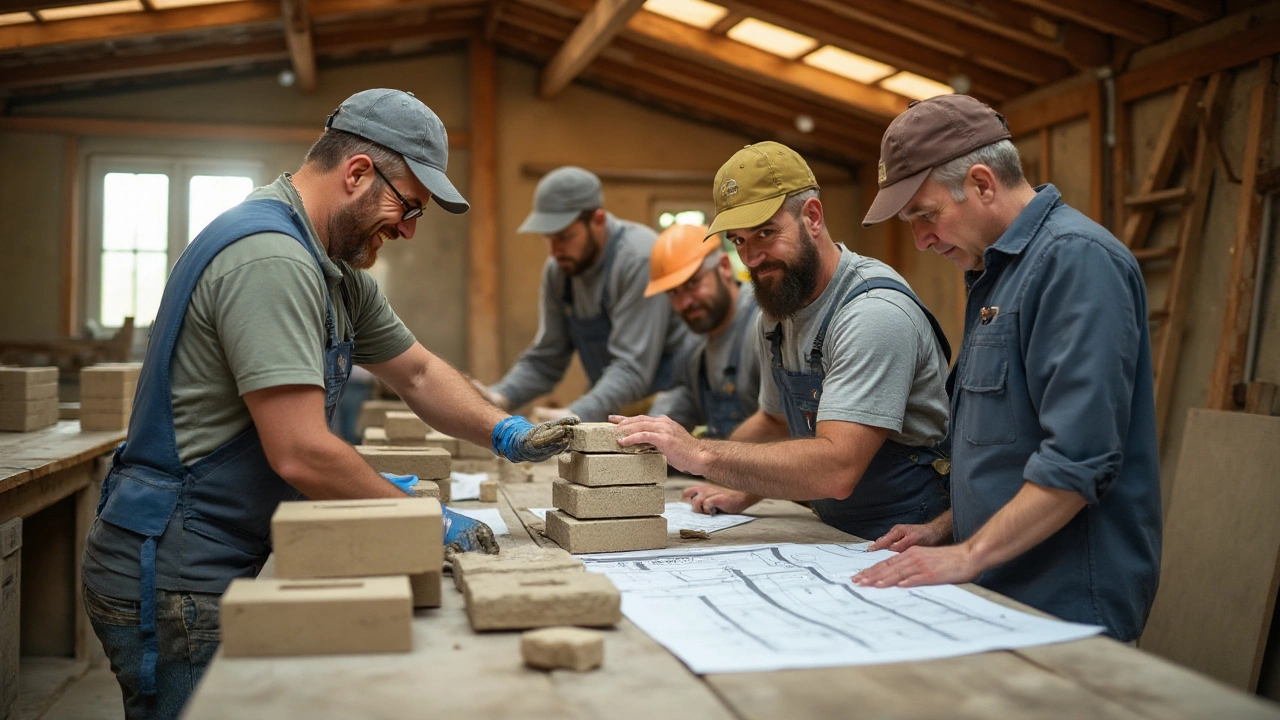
1116	17
1083	47
297	36
602	22
1197	10
931	30
726	23
16	6
842	31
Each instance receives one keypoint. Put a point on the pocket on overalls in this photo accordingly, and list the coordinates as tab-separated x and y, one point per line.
986	412
109	610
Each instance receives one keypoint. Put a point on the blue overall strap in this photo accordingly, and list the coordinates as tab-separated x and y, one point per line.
735	352
881	283
815	353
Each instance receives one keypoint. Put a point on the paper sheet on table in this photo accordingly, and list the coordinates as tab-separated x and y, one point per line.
466	486
755	608
680	516
488	516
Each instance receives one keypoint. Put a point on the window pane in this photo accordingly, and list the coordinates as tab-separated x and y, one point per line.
117	288
153	269
135	211
210	196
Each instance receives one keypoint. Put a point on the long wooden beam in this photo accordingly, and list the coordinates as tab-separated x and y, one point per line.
1082	46
1231	51
1116	17
297	36
484	346
176	130
598	27
1197	10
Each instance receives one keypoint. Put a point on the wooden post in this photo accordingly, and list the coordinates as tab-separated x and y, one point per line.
1097	151
1228	368
69	316
483	343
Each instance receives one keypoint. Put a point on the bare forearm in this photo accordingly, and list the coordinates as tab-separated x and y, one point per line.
794	469
440	395
328	469
761	427
1034	514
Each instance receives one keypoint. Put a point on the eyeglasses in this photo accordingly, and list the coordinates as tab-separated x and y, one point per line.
691	284
410	212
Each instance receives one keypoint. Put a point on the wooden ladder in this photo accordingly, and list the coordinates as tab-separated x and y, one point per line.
1189	133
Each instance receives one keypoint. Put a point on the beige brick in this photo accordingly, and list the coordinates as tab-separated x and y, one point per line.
509	472
106	406
15	377
373	413
27	393
97	422
521	601
512	560
427	488
109	380
25	416
432	463
614	501
562	648
427	589
472	451
436	439
488	491
374	436
317	617
614	535
353	538
404	425
475	465
595	437
614	468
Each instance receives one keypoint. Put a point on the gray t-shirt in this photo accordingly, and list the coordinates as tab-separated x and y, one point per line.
883	366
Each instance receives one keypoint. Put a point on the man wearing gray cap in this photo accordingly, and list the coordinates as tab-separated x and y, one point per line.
261	321
1055	488
592	302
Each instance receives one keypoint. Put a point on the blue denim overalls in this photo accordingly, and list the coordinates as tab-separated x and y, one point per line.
901	485
721	407
221	506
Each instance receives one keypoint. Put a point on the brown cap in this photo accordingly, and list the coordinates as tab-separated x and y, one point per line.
929	133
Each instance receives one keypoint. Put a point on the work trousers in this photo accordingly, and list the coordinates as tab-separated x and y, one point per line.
187	629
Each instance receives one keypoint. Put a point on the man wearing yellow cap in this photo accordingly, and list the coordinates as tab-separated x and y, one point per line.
853	408
719	384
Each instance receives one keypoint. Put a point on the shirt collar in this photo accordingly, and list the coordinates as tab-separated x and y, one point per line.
1018	235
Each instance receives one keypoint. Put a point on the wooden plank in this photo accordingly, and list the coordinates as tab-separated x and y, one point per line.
1197	10
32	497
10	595
598	27
1116	17
1228	368
1223	54
69	308
1073	101
1221	558
297	35
1164	156
48	450
1046	156
1148	254
1171	196
139	25
1083	47
483	259
1097	154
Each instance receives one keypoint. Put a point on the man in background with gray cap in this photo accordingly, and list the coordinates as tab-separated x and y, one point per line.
1054	480
593	302
261	320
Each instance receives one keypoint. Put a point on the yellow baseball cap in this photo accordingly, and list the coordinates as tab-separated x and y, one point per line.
754	183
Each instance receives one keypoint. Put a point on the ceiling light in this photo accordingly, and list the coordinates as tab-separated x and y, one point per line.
16	18
847	64
698	13
79	11
915	86
168	4
771	38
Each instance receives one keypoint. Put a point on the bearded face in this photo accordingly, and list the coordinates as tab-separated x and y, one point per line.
357	232
783	288
704	314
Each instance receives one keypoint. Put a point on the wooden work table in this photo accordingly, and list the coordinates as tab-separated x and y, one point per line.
455	672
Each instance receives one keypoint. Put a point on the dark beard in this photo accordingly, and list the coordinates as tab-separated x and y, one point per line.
784	297
716	310
593	252
351	233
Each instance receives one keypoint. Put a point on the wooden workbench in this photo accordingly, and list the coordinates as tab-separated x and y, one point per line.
455	672
50	478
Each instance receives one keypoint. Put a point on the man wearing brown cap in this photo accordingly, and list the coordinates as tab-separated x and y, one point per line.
1055	487
852	403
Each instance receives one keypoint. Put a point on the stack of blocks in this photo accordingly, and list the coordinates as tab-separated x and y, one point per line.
348	575
431	465
28	398
532	588
608	500
106	395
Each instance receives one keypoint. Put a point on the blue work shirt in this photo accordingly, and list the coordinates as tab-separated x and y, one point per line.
1055	387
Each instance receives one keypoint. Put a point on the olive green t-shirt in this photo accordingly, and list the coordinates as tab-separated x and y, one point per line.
257	320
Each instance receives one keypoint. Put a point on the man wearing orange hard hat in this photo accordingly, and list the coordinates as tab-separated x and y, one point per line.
719	384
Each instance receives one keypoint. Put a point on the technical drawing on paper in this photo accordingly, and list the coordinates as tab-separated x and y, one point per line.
772	607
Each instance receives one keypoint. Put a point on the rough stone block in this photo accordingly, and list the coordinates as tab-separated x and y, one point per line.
317	617
27	393
488	491
595	437
472	451
106	406
427	590
613	501
15	377
374	436
426	463
515	560
109	380
355	538
521	601
28	415
562	648
373	413
95	422
435	439
614	468
404	425
614	535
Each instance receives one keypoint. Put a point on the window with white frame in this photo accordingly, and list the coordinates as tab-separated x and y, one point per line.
143	211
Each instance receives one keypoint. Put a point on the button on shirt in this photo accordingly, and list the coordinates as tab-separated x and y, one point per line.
1053	385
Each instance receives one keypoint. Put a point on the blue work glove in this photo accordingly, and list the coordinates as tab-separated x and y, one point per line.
404	482
461	533
519	440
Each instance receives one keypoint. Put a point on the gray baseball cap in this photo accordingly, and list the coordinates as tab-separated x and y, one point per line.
399	121
561	197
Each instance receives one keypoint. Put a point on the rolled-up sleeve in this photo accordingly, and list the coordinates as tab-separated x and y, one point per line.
1081	356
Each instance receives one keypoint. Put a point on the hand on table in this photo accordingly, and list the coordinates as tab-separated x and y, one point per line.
921	566
901	537
681	448
713	499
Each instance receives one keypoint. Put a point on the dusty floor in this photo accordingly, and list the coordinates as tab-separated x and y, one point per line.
94	696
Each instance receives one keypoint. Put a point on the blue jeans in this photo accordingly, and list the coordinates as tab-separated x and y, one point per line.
187	628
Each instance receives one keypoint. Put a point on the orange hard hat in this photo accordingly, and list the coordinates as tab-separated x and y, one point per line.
677	255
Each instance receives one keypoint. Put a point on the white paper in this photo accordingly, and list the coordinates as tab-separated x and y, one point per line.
488	516
755	608
680	516
466	486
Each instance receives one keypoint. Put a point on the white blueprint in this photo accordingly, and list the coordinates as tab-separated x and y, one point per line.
773	607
